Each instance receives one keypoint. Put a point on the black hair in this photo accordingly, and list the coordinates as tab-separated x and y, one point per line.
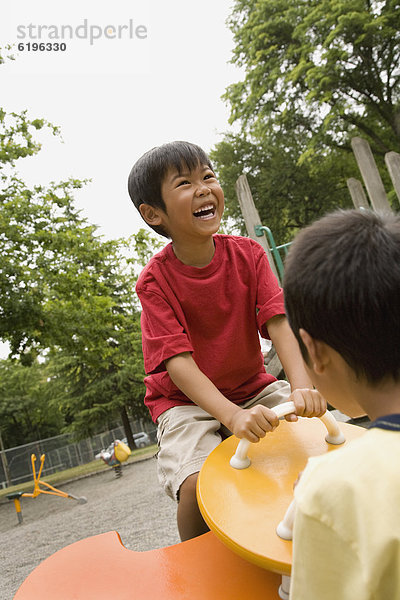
148	173
342	285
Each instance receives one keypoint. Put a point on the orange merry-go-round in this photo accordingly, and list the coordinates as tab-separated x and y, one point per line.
245	494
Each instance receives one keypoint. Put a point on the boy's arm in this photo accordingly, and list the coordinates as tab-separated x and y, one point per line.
251	424
308	401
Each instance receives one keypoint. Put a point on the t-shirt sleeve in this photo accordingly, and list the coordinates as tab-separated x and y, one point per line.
269	293
163	336
325	563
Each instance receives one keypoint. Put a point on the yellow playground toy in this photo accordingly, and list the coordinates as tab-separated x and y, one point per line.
117	453
37	489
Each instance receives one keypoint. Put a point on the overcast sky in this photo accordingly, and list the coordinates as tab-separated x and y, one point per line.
120	95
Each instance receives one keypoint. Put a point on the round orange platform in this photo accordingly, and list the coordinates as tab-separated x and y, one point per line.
244	507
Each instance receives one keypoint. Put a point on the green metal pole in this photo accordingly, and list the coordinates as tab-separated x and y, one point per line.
260	229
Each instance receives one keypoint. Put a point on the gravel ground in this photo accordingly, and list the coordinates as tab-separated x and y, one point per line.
134	505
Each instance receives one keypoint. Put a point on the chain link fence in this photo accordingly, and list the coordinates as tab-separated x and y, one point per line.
62	452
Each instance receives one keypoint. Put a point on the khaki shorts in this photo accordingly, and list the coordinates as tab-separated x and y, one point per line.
187	434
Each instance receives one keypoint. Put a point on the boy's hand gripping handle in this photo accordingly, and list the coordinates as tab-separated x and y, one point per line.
240	460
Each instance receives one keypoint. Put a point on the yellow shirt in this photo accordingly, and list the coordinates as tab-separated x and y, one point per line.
346	537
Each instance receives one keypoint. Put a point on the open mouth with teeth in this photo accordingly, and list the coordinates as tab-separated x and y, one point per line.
205	212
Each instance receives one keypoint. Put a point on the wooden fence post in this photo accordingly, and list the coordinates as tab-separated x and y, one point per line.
251	216
357	193
370	174
251	219
392	160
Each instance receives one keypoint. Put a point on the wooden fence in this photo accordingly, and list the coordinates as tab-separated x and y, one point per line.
372	180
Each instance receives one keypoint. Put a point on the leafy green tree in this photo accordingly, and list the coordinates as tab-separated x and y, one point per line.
93	393
94	364
99	376
44	246
26	413
335	63
316	74
65	294
41	236
64	288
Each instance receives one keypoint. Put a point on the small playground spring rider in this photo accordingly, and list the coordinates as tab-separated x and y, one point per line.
116	453
37	490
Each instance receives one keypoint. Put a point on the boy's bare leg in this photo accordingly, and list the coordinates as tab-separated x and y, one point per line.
190	522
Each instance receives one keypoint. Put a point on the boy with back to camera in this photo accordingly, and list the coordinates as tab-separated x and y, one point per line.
204	299
342	297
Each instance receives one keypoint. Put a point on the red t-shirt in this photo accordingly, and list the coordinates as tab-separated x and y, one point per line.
214	312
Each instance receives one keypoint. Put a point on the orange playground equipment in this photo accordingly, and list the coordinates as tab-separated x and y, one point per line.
37	489
100	568
243	500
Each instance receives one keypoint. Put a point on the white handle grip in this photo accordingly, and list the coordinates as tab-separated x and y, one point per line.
240	460
285	527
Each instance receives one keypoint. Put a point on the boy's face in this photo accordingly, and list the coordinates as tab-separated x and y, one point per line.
194	203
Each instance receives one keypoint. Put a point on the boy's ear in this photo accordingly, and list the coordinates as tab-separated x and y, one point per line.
150	214
317	351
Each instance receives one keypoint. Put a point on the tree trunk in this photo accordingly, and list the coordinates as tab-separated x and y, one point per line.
127	428
396	122
4	462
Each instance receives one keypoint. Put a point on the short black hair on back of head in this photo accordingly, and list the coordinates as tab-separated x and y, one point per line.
342	285
148	173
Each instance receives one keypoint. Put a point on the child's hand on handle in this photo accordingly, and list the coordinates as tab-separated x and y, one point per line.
253	423
308	403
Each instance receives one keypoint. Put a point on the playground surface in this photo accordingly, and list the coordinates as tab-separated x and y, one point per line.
134	505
